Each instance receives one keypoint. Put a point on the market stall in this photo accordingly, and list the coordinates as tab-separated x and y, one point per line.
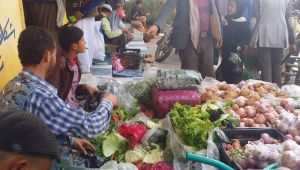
171	113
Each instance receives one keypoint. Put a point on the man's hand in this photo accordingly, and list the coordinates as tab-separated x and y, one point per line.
153	30
292	48
224	21
83	146
218	44
112	98
125	30
91	90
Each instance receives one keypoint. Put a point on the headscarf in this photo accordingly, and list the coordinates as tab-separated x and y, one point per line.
241	5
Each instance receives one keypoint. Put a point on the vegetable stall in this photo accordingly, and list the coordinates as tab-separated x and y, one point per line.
171	113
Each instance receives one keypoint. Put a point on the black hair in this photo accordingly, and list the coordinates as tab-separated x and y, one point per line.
69	35
14	136
138	2
33	42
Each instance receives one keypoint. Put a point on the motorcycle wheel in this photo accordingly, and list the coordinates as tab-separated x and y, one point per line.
164	49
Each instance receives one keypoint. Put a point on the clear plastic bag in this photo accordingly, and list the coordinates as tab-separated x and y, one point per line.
111	85
179	150
290	158
208	82
141	90
292	90
113	165
150	74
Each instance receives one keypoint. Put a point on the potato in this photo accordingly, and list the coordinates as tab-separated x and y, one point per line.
250	101
235	107
245	92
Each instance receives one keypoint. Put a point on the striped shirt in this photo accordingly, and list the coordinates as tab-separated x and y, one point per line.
58	116
204	13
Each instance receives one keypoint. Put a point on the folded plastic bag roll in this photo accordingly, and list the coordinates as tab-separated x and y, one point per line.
163	101
170	79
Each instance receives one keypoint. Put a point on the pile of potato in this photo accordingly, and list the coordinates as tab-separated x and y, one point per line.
253	92
262	89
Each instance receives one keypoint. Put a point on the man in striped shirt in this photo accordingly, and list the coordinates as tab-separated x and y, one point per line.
31	93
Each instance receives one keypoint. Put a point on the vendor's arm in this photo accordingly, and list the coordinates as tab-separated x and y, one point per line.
162	19
63	119
107	29
165	13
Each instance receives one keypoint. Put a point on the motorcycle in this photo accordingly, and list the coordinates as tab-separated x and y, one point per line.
164	48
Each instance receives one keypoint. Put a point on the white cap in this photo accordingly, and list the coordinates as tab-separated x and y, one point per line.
107	6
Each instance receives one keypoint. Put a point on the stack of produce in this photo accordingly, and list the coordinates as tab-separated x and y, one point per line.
175	85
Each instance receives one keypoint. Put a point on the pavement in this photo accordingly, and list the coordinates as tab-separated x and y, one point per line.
172	61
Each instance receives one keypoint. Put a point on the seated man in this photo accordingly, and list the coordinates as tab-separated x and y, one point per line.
30	92
116	37
67	72
22	150
138	19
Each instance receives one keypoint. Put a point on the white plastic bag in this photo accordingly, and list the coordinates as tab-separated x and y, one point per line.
113	165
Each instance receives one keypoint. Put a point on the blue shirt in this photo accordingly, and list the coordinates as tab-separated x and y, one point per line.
42	100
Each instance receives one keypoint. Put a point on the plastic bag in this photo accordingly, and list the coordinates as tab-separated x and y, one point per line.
116	64
150	74
121	11
89	79
113	165
134	133
111	85
163	101
141	90
179	150
174	79
208	82
291	90
290	155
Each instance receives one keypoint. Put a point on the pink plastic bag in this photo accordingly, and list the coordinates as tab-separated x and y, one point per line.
121	11
116	64
163	101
